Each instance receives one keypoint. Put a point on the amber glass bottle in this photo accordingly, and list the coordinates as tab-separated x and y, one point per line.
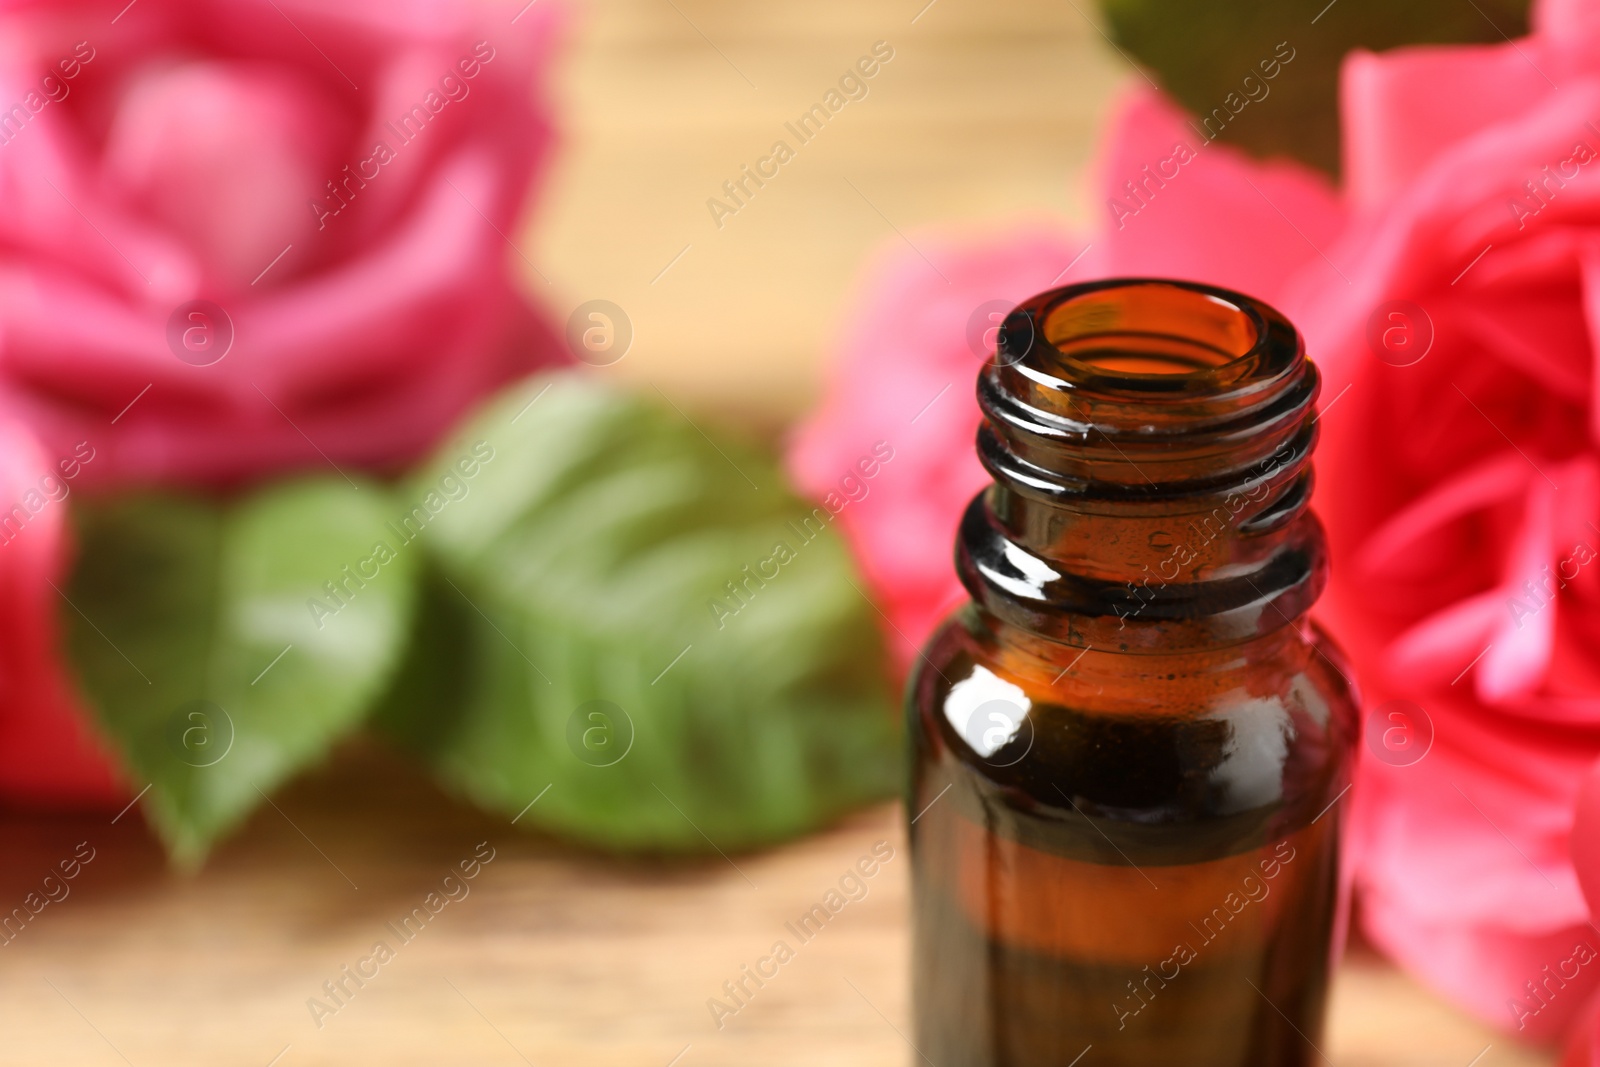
1130	746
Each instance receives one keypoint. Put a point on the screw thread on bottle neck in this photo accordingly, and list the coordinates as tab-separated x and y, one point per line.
1150	443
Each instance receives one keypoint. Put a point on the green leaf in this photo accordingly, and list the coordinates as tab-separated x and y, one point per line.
1201	51
581	538
214	654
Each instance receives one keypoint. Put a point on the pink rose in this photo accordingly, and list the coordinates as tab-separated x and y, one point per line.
342	180
47	754
1461	494
1584	1048
1461	491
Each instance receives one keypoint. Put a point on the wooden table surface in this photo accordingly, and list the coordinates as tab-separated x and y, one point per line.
987	114
553	956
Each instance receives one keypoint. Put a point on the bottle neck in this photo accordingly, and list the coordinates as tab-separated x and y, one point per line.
1150	445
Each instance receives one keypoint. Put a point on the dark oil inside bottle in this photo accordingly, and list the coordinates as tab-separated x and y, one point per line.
1151	924
1125	821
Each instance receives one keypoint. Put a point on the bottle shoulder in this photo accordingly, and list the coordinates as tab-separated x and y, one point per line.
1256	731
1116	681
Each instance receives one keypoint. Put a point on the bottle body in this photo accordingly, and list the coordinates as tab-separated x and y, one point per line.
1130	748
1152	869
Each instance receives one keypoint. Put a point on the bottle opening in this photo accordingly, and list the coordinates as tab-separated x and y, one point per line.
1143	330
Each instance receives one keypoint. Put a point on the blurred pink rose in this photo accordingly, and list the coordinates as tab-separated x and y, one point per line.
1461	492
1583	1050
1461	495
47	754
341	179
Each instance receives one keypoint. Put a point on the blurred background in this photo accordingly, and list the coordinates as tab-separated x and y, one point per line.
985	121
984	118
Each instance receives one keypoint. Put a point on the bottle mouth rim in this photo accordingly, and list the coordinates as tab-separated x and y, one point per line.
1137	390
1147	338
